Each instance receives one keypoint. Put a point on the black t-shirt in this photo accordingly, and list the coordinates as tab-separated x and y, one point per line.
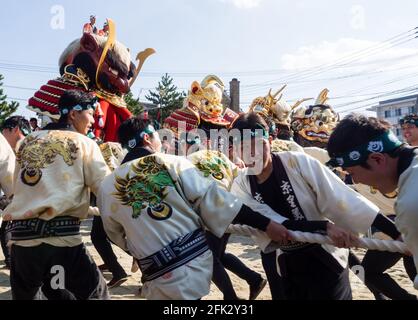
272	196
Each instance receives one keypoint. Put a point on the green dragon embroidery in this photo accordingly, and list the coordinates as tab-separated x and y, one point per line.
212	165
146	188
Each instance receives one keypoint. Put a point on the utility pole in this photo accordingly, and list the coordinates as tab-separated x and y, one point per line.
234	93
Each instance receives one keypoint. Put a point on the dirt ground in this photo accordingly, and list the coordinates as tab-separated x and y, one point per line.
242	247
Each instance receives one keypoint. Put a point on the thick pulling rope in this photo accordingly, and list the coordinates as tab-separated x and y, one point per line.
366	243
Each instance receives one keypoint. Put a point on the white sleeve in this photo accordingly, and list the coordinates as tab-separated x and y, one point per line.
334	199
216	207
95	167
406	208
241	189
7	167
113	228
319	154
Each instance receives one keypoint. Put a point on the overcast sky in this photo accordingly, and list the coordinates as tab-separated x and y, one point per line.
308	45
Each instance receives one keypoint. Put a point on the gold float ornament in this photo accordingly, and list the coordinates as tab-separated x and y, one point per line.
141	57
272	107
264	105
78	79
110	43
202	105
316	123
322	97
112	98
299	102
211	90
282	111
204	101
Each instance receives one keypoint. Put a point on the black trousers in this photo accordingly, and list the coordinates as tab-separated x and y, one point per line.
375	263
32	267
313	274
222	260
3	241
353	261
104	248
269	262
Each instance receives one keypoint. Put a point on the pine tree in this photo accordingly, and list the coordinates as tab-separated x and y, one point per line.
6	108
167	96
134	106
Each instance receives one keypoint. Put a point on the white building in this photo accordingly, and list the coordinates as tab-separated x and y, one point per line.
394	109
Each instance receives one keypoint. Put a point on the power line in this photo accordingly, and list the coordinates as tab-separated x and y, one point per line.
343	77
17	99
344	60
20	88
149	74
403	91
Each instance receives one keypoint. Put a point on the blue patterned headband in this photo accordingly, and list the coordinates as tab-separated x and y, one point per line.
78	107
384	143
139	137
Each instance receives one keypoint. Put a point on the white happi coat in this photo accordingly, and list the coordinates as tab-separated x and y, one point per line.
7	167
229	172
216	166
67	166
279	145
191	202
321	195
406	209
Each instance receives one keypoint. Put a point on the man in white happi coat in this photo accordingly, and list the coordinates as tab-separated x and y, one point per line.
371	153
311	198
7	167
55	171
156	206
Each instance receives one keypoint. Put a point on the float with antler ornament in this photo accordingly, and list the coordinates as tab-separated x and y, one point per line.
98	64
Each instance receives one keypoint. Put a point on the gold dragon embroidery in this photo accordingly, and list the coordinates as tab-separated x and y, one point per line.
37	153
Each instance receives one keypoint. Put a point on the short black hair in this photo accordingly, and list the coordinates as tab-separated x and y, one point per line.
208	126
129	129
71	98
17	121
251	121
355	130
283	132
33	119
272	127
